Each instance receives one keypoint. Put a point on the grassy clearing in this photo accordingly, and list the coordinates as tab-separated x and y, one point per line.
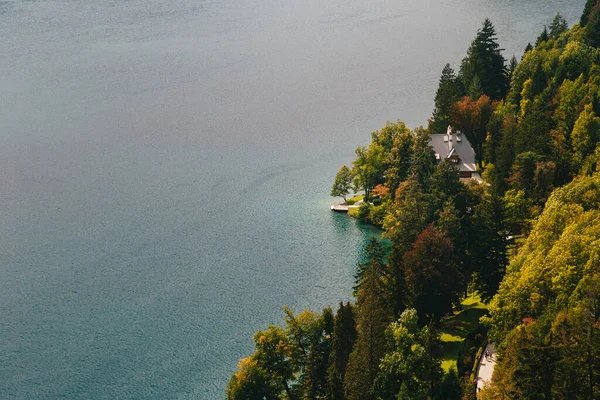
354	199
455	329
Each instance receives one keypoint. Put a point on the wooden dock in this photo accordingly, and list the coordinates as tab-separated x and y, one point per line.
339	207
343	207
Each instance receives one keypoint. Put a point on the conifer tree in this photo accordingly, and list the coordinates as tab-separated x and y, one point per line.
448	92
592	26
412	210
557	26
373	256
488	245
512	65
423	157
373	316
544	36
343	339
318	359
484	63
587	9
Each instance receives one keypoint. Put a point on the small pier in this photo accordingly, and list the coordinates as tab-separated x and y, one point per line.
339	207
344	207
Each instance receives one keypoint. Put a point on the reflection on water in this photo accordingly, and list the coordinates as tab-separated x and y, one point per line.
165	169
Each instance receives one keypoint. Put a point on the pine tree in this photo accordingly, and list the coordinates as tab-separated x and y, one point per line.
484	62
412	210
373	256
318	359
544	37
423	158
592	26
373	316
558	26
512	65
448	92
343	339
587	9
488	246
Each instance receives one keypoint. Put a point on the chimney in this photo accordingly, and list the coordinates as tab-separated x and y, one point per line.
449	131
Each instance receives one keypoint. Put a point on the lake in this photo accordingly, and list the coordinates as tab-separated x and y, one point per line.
165	170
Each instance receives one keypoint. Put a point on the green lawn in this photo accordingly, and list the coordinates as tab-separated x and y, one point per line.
354	199
353	212
455	329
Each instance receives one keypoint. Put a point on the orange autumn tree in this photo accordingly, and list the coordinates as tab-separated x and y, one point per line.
380	191
472	117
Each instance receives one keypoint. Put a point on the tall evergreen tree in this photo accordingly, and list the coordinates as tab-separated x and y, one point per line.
448	92
411	211
488	244
423	157
484	62
558	26
512	65
373	256
318	359
592	26
445	185
587	9
544	36
343	339
373	315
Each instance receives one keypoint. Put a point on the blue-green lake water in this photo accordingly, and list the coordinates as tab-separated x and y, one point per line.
165	169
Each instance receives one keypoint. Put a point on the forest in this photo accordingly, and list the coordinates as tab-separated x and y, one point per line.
514	259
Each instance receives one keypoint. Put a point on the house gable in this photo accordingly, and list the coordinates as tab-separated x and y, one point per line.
455	147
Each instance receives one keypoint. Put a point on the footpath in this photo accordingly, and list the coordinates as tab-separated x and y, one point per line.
486	366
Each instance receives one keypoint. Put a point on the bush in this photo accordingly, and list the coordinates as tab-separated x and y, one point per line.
363	212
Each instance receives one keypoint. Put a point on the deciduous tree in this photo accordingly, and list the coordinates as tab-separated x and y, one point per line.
432	277
342	183
412	366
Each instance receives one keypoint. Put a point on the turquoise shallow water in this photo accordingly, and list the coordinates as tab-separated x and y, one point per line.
165	168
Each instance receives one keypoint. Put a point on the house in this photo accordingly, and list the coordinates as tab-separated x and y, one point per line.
455	147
